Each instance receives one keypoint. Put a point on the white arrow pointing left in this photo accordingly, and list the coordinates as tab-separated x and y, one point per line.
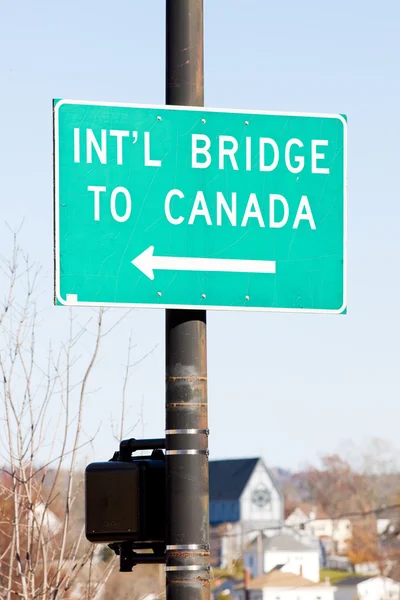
147	263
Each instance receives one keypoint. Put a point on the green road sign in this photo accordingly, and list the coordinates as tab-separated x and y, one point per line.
195	207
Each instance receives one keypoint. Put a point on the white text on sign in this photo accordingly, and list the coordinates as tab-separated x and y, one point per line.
262	154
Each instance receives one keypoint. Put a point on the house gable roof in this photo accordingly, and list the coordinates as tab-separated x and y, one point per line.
297	512
284	543
277	579
228	478
311	511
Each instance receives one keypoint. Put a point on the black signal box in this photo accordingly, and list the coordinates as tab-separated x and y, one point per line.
125	501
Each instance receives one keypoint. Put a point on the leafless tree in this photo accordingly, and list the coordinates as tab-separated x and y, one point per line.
43	550
362	485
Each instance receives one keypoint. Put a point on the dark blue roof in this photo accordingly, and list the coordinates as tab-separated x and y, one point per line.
228	478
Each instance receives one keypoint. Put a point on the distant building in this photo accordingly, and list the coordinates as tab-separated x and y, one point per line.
285	551
388	523
314	521
278	585
338	562
244	499
367	588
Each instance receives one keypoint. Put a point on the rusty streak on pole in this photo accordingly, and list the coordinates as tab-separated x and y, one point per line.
187	536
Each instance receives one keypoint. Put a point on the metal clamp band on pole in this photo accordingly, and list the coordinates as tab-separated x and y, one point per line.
205	547
188	568
187	431
191	452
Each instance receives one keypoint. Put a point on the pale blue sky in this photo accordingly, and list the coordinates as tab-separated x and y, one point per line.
286	387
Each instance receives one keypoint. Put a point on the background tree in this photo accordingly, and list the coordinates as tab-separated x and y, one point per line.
361	486
363	546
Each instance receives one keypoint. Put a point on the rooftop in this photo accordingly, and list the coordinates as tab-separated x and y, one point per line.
277	578
284	542
228	478
311	511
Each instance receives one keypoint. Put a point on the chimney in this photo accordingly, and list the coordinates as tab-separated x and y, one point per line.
247	578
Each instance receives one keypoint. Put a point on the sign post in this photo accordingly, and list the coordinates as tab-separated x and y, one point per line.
187	536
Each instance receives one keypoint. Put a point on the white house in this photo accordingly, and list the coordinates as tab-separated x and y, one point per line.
312	520
278	585
378	588
384	525
244	499
367	588
388	522
285	551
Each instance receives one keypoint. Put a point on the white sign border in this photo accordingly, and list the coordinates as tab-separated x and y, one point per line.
74	301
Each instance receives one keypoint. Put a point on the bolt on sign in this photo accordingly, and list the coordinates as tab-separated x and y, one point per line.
194	207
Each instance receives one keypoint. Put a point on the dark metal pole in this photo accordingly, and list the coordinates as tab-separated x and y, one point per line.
184	53
187	536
